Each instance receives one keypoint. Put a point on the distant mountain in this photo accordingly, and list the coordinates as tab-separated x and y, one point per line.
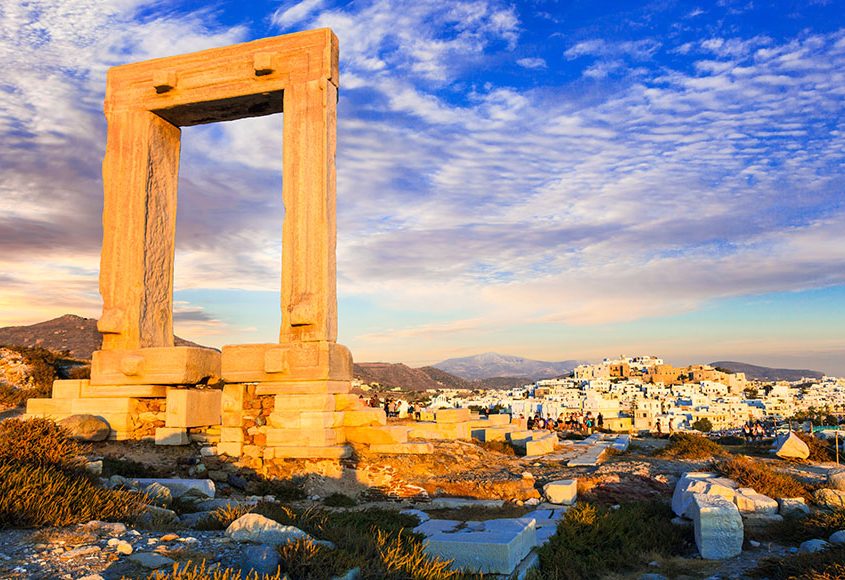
71	333
390	375
448	380
758	373
491	364
502	382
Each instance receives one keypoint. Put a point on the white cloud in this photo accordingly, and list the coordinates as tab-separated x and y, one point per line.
531	63
292	13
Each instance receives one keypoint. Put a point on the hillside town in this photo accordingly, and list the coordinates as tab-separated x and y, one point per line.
643	393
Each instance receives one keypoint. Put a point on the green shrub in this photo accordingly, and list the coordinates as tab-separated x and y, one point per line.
704	425
40	442
592	541
44	495
307	560
748	472
340	500
691	446
826	565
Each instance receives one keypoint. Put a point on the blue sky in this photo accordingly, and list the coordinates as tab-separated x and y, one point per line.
549	179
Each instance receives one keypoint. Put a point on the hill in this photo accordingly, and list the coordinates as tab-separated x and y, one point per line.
758	373
390	375
491	364
73	334
448	380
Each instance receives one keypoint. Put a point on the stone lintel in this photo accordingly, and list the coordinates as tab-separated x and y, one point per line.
177	365
291	362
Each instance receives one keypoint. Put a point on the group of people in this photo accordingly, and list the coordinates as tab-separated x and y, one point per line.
580	422
753	431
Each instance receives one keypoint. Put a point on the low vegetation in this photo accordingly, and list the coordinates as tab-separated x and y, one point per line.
42	365
375	541
281	489
820	450
192	571
826	565
691	446
339	500
43	483
749	472
819	524
592	541
39	442
222	517
42	495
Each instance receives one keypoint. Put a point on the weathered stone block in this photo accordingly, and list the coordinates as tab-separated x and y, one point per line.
409	448
286	362
308	452
172	436
68	389
296	403
382	435
451	415
562	491
177	365
193	407
303	437
689	483
366	416
449	431
793	507
718	526
491	547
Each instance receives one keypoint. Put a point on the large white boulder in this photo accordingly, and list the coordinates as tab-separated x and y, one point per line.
562	491
718	526
791	447
690	482
813	546
750	502
260	530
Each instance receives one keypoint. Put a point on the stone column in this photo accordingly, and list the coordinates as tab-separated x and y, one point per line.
309	299
140	173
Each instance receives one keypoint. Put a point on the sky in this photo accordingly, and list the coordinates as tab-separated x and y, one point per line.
549	179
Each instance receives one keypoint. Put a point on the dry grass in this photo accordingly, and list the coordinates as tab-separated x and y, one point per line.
42	495
820	450
477	514
690	446
40	442
826	565
189	571
222	517
593	542
748	472
819	524
374	540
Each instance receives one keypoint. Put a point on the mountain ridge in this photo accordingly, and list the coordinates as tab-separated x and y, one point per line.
70	333
761	373
495	365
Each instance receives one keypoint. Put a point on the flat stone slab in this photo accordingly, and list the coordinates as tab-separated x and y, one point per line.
440	503
179	487
491	547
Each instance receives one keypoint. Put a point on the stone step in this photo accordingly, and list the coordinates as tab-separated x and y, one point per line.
364	417
440	431
305	419
410	448
326	452
303	437
382	435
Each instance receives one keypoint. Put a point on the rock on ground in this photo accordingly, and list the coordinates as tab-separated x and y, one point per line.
837	537
830	498
812	546
791	447
261	559
86	427
836	480
718	526
260	530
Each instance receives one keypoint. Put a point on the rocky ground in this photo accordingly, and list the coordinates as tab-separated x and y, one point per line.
456	468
